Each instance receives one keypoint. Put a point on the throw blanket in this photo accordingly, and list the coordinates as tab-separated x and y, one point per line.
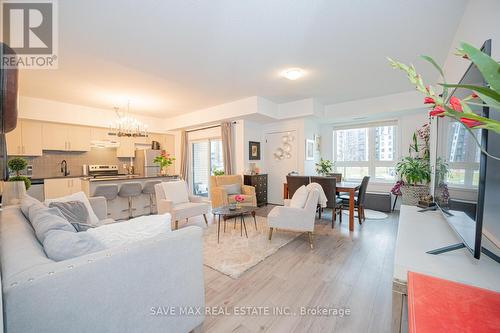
322	197
133	230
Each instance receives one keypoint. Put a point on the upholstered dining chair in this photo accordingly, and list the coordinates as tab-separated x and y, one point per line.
359	199
173	197
294	182
329	185
295	218
224	189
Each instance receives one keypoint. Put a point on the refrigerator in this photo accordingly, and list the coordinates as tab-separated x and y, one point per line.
143	162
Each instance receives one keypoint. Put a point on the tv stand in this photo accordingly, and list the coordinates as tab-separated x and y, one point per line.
428	209
448	248
416	235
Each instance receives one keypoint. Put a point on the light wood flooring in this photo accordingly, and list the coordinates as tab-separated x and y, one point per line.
345	270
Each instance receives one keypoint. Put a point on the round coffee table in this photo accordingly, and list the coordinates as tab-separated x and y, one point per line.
227	213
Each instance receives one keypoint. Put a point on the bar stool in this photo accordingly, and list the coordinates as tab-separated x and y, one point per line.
130	190
149	189
109	191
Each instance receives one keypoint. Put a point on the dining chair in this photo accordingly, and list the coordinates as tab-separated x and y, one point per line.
294	182
329	185
359	199
337	176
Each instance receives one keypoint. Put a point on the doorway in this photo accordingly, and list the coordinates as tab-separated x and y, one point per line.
206	158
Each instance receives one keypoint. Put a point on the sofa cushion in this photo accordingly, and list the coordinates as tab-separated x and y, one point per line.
28	201
74	212
47	219
131	231
62	245
232	189
299	197
79	196
176	191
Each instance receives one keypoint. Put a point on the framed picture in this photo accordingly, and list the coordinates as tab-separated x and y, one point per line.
309	150
253	151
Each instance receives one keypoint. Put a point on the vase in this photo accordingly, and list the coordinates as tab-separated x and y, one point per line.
163	171
411	194
13	192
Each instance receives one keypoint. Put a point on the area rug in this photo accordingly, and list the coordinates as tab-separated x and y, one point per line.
235	254
369	214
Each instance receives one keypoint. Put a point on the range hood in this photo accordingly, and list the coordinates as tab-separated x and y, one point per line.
104	144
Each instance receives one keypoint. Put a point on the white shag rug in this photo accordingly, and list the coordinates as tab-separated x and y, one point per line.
235	254
369	214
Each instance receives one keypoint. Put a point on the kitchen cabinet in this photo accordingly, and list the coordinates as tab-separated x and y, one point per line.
126	148
60	187
25	139
65	137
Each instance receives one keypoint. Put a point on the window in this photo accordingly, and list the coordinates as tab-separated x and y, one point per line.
463	156
207	157
366	151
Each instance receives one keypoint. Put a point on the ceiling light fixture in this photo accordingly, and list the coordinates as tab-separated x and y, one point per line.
127	126
293	73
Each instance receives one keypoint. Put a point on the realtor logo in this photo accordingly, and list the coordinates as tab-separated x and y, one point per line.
30	29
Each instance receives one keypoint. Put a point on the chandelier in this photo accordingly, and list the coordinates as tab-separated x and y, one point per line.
127	126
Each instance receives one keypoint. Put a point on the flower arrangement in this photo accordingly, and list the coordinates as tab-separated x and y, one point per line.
239	200
441	105
17	164
164	160
324	167
218	172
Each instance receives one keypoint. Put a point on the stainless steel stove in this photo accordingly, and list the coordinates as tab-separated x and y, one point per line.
103	170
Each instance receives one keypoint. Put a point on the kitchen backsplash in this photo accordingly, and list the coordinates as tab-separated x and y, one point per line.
49	165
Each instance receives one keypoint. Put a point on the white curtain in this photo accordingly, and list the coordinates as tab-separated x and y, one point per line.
184	172
227	147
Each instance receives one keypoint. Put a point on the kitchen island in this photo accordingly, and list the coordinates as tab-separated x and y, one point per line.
118	207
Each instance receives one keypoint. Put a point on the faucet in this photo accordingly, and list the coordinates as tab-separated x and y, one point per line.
64	168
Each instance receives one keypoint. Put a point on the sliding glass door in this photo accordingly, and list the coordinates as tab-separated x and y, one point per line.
206	158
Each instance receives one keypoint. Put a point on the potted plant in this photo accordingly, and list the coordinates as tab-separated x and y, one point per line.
324	167
164	160
218	172
415	172
16	165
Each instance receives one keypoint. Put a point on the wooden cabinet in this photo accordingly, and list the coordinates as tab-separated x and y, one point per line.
65	137
26	139
126	148
260	184
60	187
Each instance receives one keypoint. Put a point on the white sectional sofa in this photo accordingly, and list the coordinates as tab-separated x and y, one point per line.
115	290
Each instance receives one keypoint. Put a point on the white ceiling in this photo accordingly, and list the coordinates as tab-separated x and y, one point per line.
172	57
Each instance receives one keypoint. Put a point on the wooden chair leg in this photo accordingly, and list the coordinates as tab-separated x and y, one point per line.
319	212
205	217
359	214
176	224
364	216
340	215
270	233
310	235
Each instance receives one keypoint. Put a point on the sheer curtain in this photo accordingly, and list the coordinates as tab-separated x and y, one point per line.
227	146
184	172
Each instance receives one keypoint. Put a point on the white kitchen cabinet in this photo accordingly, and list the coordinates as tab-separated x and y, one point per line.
25	139
126	148
65	137
60	187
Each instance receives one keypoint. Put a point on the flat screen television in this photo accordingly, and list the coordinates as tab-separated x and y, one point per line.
463	176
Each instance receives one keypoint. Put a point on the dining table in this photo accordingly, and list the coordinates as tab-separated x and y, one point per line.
342	187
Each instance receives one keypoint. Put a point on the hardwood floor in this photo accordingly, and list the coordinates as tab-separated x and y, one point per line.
346	271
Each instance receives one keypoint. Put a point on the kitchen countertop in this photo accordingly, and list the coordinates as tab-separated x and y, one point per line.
36	181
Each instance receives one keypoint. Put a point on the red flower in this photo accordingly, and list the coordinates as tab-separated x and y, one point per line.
455	104
429	100
437	112
474	95
470	123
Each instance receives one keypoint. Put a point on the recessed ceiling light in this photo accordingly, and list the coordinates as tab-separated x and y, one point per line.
293	73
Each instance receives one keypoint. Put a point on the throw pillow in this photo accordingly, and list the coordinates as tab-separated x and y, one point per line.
299	197
26	203
79	196
45	219
176	191
62	245
232	189
74	212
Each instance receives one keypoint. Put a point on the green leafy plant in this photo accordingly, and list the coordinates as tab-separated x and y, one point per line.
16	165
460	110
164	160
324	167
414	170
218	172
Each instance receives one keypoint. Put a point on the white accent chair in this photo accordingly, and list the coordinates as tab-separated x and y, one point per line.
296	219
173	197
